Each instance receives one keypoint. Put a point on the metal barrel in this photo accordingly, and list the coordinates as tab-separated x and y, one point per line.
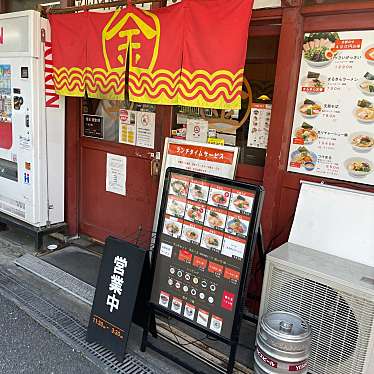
282	344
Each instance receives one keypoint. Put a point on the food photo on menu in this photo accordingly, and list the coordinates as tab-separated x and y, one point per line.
358	167
198	191
319	48
305	134
211	239
219	196
179	187
314	83
215	218
195	212
241	201
191	233
172	227
175	206
189	311
303	157
216	324
237	224
164	299
364	112
369	54
362	141
366	84
202	317
176	305
310	108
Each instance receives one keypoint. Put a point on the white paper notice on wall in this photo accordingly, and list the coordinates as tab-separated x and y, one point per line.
116	174
197	130
145	129
335	220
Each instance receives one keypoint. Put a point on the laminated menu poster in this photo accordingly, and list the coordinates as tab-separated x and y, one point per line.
259	123
333	128
205	238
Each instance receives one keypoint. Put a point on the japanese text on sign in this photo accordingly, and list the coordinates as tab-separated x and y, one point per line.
116	282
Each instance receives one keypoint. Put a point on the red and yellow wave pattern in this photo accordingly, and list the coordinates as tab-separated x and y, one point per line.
221	90
69	82
99	83
159	87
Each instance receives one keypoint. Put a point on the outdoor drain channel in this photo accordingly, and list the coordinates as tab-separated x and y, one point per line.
69	329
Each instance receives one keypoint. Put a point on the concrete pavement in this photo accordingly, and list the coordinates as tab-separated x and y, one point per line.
26	347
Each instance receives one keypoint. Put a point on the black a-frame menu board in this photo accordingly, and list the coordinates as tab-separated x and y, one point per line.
204	245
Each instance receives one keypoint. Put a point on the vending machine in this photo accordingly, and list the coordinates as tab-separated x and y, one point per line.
32	120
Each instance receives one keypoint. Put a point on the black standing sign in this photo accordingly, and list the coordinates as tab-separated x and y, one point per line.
115	296
205	241
93	126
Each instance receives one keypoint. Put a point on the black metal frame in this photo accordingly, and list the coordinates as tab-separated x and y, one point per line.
247	260
36	232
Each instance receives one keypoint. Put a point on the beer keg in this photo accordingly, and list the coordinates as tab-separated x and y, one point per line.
282	344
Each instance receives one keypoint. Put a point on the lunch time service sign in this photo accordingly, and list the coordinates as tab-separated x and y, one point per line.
204	243
333	127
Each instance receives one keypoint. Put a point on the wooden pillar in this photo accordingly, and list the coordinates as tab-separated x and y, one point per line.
72	133
73	112
285	89
3	6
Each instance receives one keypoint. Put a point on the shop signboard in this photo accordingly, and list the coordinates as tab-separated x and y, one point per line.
204	245
333	133
93	126
115	297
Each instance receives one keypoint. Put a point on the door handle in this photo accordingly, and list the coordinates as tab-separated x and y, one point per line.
155	167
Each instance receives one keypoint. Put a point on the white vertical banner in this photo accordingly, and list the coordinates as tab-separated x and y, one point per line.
116	174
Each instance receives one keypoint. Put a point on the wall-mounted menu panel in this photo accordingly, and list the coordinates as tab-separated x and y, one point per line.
333	128
204	244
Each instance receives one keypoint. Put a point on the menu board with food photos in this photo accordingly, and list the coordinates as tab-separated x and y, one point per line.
333	128
205	239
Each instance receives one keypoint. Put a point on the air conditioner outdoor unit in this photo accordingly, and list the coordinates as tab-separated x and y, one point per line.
336	297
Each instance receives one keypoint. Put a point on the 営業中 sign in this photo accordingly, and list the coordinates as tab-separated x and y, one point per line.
115	296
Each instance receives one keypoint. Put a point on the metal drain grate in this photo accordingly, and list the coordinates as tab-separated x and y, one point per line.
68	328
58	277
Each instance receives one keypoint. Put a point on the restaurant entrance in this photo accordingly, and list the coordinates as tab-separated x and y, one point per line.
100	213
103	213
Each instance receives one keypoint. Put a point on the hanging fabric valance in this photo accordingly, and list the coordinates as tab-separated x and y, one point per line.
191	53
